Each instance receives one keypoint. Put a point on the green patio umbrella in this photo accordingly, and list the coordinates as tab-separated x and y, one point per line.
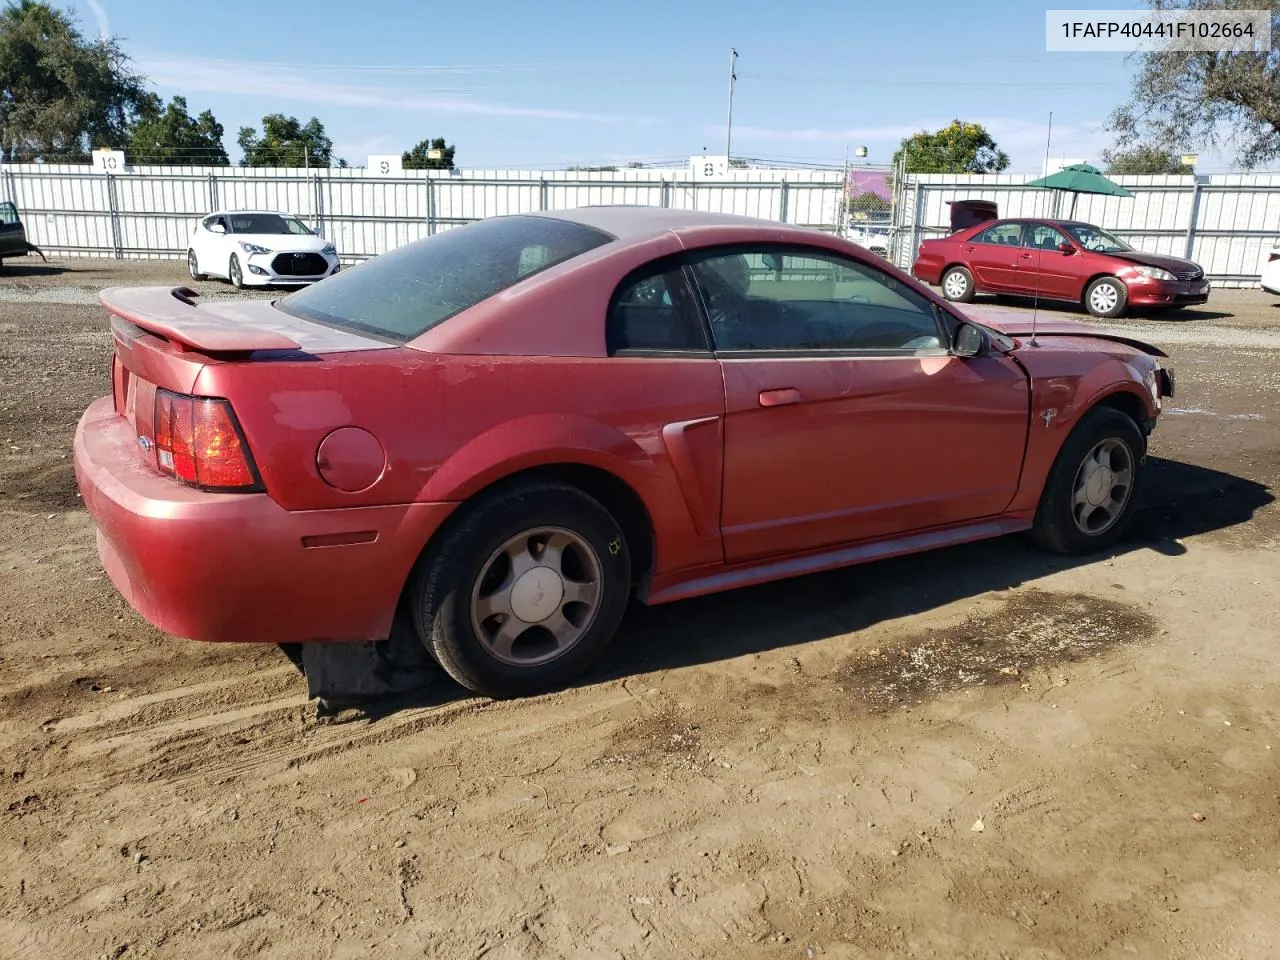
1080	178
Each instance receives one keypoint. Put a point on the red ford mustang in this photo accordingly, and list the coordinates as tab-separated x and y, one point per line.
513	426
1058	260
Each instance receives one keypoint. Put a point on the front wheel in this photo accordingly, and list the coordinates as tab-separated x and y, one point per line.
1093	487
525	591
1106	298
234	274
957	284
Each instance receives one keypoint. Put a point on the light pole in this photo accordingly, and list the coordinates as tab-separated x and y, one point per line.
728	129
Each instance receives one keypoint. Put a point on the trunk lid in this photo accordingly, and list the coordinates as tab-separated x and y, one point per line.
162	339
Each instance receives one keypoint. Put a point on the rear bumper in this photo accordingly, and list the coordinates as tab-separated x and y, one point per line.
239	567
927	272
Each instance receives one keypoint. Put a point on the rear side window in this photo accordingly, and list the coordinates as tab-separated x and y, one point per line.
8	212
407	291
653	311
1005	234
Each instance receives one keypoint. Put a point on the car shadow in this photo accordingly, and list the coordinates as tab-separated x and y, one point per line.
1180	500
1181	315
12	268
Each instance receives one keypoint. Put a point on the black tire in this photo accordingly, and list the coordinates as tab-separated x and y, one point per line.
442	587
193	267
957	274
1056	528
234	273
1116	302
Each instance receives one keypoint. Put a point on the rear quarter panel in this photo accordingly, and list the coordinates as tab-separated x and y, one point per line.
933	256
450	425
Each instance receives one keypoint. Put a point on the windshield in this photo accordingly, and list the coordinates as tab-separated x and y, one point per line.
266	223
404	293
1092	238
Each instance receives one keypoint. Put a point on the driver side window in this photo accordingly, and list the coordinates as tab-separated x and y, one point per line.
792	299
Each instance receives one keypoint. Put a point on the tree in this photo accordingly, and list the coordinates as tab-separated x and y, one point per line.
60	94
1143	158
956	148
286	143
169	135
1195	97
419	158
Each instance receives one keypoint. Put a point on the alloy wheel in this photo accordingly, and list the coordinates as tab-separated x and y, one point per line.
1102	486
536	596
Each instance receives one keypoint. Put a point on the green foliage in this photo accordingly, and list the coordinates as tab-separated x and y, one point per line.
419	157
1143	159
61	95
1201	98
957	148
285	142
169	135
868	203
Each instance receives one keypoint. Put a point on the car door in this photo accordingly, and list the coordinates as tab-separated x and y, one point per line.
202	243
847	418
1045	270
993	255
13	238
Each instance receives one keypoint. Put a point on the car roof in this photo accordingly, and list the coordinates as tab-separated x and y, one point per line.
630	223
223	213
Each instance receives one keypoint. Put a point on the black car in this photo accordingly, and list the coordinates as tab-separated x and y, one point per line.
13	238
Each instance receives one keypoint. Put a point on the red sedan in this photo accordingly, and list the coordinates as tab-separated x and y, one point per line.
514	426
1058	260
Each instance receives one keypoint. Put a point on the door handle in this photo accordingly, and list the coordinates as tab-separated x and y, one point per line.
780	397
1025	256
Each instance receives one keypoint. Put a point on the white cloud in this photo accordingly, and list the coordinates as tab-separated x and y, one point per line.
302	84
100	14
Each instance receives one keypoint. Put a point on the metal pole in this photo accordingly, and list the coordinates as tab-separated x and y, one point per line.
842	214
728	130
1047	140
1191	221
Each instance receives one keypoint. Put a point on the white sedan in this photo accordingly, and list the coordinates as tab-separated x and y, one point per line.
1271	271
259	248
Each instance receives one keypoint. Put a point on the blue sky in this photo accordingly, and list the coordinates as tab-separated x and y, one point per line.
517	84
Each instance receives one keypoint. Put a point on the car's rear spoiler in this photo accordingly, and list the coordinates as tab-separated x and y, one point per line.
172	313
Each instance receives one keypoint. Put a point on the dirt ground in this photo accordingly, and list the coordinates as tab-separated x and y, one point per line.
980	753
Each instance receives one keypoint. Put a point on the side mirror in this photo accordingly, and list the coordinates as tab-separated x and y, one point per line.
217	228
969	341
1066	247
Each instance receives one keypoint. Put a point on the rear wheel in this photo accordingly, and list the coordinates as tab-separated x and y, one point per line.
957	284
1093	487
193	266
525	591
234	274
1106	297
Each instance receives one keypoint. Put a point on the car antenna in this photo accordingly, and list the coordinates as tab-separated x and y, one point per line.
1035	297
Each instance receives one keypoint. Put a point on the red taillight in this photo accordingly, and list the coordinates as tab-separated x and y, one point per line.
198	442
1273	257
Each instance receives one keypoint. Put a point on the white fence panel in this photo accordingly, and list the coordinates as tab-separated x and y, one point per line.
150	211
